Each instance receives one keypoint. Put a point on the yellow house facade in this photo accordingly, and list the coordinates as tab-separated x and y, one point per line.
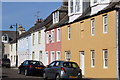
91	42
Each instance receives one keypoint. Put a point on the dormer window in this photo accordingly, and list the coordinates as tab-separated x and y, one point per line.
77	6
56	17
5	38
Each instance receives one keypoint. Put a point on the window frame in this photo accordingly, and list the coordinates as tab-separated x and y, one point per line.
39	36
58	55
40	55
69	32
105	66
71	7
105	24
5	38
33	39
67	55
53	35
92	58
55	17
93	27
51	60
47	37
77	5
58	34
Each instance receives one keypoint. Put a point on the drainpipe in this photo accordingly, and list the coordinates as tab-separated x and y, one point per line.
117	43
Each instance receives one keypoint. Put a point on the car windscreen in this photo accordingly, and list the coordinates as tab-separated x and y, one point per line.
70	65
35	63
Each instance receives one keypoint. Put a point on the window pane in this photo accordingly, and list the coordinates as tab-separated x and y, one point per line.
71	6
68	32
92	27
77	5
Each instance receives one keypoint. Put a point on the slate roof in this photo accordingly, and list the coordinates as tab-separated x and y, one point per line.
39	26
59	24
11	34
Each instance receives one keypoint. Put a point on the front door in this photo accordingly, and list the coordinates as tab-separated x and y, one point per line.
82	61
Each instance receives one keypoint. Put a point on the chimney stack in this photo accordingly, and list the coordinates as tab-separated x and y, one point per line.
38	21
21	29
65	2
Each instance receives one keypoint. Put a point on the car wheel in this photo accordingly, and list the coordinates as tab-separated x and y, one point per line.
19	71
57	77
44	76
26	72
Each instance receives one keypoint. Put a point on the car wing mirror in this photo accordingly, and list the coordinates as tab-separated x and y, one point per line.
21	64
47	66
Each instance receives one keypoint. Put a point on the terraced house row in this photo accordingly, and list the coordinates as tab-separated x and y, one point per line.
86	32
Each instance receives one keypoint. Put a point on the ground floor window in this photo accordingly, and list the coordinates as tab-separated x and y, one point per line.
92	58
105	58
67	55
52	56
40	55
57	55
33	55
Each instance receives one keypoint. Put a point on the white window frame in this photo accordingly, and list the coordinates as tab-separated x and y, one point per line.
39	36
71	6
56	17
105	24
67	56
47	57
92	27
3	38
47	37
105	58
92	58
40	55
33	39
77	5
104	1
53	35
52	57
58	34
11	47
58	55
69	30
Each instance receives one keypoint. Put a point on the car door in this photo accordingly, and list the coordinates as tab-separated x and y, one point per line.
21	67
49	71
24	66
55	69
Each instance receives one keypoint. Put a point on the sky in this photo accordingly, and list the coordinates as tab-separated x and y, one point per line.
24	13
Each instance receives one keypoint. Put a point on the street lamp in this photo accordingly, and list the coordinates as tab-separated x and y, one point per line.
16	42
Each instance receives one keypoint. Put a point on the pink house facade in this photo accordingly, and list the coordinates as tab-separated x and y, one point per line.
53	34
53	44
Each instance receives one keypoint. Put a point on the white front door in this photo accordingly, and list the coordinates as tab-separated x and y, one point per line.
82	61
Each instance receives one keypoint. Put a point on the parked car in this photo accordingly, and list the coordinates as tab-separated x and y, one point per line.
29	67
5	62
62	70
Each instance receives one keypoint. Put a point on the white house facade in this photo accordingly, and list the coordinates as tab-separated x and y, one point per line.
12	54
24	49
38	45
